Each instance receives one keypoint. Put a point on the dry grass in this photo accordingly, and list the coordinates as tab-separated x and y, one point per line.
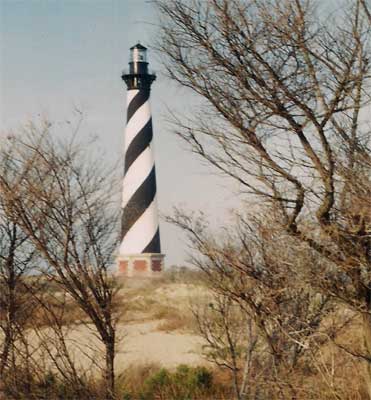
165	303
146	382
165	299
134	376
177	322
66	313
146	308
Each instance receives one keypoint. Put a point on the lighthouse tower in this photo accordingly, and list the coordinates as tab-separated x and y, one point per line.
140	249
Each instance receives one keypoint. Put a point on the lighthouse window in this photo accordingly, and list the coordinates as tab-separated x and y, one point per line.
138	55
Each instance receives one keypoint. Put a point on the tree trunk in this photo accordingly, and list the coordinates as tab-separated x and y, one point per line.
6	348
11	311
110	370
367	342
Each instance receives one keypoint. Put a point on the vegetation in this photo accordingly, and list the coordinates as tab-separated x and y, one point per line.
284	306
184	383
283	91
56	209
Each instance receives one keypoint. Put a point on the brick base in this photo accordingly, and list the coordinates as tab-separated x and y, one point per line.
144	265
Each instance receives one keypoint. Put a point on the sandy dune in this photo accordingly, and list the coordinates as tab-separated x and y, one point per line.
143	344
140	338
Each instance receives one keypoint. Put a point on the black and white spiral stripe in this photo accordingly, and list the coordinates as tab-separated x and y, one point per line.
140	227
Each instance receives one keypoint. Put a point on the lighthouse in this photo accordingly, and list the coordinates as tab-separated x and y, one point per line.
140	248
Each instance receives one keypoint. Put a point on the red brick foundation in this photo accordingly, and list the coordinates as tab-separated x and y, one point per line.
144	265
140	265
123	267
157	265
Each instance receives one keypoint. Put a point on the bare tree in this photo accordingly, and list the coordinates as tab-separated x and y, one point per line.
230	340
11	271
74	361
256	273
17	259
366	9
285	96
63	200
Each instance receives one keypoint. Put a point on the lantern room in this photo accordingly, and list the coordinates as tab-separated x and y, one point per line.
138	53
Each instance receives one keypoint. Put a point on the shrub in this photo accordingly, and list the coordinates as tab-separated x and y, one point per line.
185	383
49	386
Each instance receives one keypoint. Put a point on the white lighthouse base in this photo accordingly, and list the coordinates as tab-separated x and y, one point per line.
140	265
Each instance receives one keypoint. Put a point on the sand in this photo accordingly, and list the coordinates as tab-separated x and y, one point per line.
140	341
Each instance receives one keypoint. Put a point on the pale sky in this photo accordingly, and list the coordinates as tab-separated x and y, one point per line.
59	54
